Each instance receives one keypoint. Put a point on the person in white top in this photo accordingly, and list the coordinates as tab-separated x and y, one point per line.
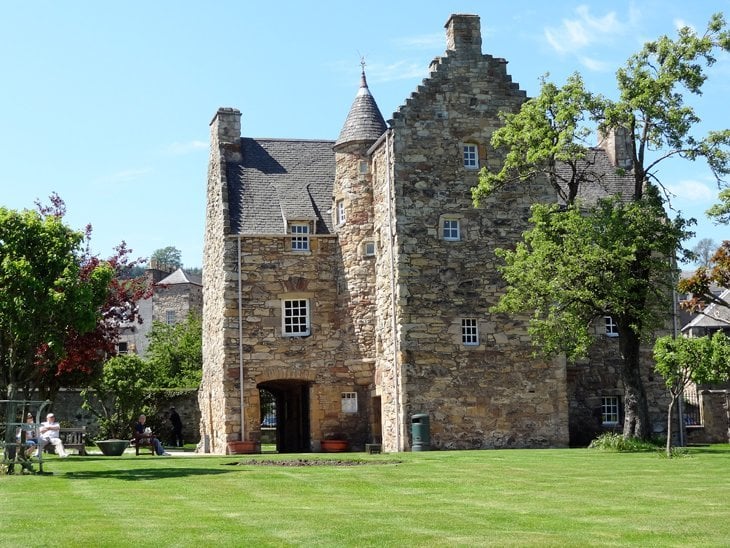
49	434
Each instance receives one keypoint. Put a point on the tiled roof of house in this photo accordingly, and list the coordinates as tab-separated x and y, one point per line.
280	180
713	316
181	277
364	122
606	179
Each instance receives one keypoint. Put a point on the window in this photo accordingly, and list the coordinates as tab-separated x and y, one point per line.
296	318
122	348
611	327
340	212
363	167
368	249
170	317
471	156
451	230
349	402
469	332
609	410
300	236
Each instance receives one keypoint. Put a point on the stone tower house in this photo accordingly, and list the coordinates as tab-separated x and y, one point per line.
350	282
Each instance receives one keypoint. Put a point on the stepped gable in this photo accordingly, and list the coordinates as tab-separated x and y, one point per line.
364	123
279	180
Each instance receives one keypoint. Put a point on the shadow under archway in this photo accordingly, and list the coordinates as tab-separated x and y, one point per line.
291	400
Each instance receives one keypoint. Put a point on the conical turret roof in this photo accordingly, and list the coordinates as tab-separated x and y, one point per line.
364	123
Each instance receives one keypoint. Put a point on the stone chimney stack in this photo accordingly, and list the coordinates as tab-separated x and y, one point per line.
618	145
225	132
463	34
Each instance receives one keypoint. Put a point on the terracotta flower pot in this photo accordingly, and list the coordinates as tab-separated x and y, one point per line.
334	446
243	447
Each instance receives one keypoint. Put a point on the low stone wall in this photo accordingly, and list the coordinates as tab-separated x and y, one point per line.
68	409
715	418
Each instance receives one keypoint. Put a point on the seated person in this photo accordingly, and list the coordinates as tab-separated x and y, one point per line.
49	433
26	435
143	434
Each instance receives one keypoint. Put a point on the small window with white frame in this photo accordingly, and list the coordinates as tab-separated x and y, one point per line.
122	348
295	317
469	332
170	317
471	156
611	326
368	248
609	410
363	167
340	209
451	230
349	402
300	236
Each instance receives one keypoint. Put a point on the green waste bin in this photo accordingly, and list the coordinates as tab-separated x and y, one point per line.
420	430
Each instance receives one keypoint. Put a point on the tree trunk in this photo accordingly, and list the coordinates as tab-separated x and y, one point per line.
636	409
669	424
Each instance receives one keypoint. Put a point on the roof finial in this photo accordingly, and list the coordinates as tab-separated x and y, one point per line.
363	82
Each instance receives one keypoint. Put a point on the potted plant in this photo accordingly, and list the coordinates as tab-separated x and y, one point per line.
335	443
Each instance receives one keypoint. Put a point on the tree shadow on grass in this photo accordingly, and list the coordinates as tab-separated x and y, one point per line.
144	474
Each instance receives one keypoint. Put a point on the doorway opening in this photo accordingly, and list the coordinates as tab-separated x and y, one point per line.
285	416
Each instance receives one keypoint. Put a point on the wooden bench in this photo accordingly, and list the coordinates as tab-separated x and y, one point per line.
140	440
72	438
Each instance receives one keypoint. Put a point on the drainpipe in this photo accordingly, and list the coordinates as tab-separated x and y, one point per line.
240	342
394	323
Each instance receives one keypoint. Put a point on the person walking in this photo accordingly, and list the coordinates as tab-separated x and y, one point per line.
177	437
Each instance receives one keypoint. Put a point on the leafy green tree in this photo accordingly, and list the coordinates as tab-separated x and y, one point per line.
682	361
119	396
42	295
546	139
721	210
169	256
176	352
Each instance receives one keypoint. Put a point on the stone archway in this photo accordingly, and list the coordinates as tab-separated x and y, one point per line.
292	414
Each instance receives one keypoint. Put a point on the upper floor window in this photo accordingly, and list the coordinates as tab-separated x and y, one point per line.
295	317
451	229
170	317
609	410
300	236
122	348
340	212
469	331
363	167
611	327
471	156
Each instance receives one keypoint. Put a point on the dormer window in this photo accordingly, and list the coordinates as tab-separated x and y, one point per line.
300	236
471	156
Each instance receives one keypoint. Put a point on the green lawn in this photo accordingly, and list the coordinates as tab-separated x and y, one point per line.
573	497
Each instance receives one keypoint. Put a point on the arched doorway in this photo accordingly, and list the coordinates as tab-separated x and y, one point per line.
291	412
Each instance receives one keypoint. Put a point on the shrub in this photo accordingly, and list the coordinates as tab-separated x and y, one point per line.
611	441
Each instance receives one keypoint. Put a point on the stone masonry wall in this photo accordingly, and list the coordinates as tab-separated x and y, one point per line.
181	299
494	394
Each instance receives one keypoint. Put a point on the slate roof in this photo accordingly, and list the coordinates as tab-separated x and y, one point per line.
181	277
280	180
364	122
714	316
606	181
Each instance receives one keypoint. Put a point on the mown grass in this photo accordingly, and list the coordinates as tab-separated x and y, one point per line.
571	497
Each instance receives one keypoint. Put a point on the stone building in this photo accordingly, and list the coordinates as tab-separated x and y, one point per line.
175	295
351	280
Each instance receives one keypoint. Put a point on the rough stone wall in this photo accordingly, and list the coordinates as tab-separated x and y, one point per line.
182	299
494	394
270	274
219	250
599	375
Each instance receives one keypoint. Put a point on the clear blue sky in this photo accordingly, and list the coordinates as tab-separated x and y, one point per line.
108	104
